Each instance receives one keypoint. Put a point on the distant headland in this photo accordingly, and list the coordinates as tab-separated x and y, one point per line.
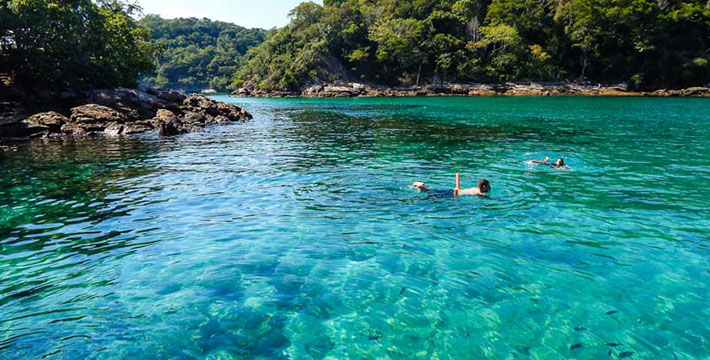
339	90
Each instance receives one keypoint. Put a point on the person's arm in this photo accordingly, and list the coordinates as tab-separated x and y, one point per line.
546	161
457	189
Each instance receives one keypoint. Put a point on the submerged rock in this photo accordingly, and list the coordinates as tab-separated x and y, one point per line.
125	111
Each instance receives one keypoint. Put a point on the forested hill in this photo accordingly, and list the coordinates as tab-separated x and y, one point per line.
648	43
198	54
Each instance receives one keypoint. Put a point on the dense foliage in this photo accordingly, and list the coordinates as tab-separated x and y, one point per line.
199	53
645	42
70	44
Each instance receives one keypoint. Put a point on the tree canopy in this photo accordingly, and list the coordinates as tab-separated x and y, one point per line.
648	43
72	44
197	54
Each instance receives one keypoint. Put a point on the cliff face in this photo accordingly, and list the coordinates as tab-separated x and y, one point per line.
117	112
350	89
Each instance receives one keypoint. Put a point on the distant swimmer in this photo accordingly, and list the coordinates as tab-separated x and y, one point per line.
484	187
559	164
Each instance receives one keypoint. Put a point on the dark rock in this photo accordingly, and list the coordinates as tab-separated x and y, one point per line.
134	104
165	114
198	103
190	127
75	129
47	122
221	120
114	129
167	95
94	113
241	92
695	91
118	112
193	118
168	128
137	128
244	115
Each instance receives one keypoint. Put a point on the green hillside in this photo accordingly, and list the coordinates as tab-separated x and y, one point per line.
196	54
648	43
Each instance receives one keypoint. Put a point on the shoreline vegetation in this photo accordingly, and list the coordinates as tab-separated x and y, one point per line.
531	47
340	90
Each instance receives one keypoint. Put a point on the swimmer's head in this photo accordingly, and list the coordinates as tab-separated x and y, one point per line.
484	185
418	185
560	162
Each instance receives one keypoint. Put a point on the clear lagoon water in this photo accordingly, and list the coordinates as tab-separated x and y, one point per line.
295	235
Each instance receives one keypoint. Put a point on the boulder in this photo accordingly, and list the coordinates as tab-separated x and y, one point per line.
695	91
221	120
241	92
134	104
137	128
244	115
94	113
119	112
199	103
189	127
167	128
50	122
116	129
312	90
75	129
167	95
165	114
340	91
191	117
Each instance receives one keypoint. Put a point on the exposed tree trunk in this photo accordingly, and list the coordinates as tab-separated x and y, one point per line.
419	73
472	29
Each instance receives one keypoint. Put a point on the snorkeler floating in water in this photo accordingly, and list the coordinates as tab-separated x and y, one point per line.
559	164
484	187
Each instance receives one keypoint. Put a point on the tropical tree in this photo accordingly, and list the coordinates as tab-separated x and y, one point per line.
73	43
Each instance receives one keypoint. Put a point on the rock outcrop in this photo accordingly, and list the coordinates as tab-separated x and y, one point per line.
507	89
123	112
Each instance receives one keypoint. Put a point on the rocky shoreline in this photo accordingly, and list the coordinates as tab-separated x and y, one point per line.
508	89
116	112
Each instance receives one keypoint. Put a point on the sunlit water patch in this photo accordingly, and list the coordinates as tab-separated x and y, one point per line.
295	235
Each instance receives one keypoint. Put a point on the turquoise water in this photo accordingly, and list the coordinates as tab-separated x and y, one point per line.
295	236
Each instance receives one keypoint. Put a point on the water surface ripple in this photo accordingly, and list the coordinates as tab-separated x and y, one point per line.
294	235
